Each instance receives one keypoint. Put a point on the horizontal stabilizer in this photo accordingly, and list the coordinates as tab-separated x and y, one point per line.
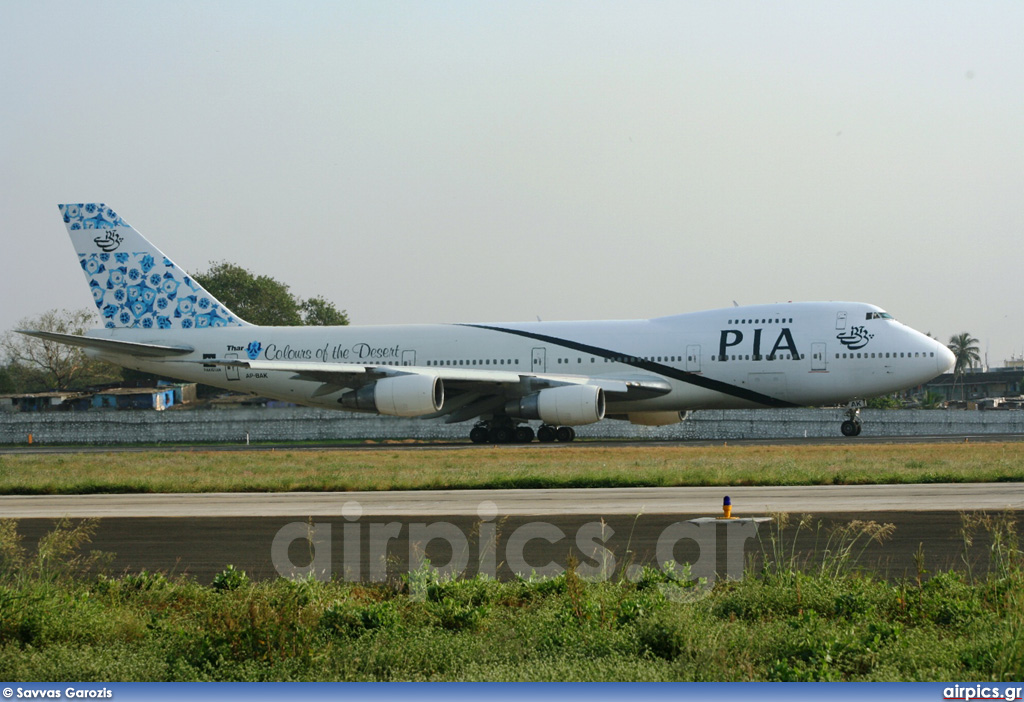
128	348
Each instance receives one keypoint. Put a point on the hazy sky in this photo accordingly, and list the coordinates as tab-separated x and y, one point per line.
474	161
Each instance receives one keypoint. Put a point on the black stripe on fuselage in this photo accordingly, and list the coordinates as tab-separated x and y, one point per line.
667	371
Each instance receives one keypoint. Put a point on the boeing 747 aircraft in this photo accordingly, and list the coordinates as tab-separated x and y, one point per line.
505	375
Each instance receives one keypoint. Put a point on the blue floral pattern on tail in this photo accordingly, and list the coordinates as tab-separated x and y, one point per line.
130	289
90	217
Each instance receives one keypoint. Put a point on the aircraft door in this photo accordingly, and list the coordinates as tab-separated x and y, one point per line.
840	320
693	359
232	371
540	360
818	356
409	357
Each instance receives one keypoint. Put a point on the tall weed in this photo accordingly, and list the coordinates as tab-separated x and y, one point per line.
804	616
57	556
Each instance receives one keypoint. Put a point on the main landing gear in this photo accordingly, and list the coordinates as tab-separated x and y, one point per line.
506	432
851	427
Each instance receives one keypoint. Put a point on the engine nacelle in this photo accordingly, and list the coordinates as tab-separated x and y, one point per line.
401	396
568	405
656	419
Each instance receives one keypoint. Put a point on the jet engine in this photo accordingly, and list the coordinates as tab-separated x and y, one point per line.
566	405
401	396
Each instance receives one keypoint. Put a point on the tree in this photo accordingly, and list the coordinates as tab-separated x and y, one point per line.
7	380
964	348
260	299
931	400
38	364
884	402
318	312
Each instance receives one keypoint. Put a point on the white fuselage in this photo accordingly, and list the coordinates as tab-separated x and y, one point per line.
786	354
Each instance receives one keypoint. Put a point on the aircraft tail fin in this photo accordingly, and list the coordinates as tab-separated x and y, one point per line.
132	282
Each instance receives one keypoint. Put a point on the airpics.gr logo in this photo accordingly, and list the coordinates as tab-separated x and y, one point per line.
108	243
856	338
253	350
483	548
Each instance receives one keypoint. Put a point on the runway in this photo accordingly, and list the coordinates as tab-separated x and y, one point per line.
383	535
748	500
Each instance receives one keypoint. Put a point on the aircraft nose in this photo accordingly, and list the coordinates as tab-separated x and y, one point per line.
944	359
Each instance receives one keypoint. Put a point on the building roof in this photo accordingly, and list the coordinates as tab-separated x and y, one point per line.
999	375
44	395
134	391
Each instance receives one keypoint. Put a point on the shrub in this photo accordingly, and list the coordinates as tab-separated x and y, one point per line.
230	579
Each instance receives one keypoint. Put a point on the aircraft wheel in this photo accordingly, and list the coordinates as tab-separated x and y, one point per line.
850	428
478	435
524	434
500	435
546	434
566	434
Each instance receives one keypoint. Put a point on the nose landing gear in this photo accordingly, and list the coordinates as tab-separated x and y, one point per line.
851	427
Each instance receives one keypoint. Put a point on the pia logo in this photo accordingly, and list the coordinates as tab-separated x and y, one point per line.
108	243
253	350
856	338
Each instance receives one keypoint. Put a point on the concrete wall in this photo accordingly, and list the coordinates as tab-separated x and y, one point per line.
232	425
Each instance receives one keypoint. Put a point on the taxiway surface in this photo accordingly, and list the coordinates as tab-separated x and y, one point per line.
382	535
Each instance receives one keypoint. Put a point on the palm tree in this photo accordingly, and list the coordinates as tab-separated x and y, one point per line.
931	400
965	349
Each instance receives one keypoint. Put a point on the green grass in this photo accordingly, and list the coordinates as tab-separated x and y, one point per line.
782	623
561	467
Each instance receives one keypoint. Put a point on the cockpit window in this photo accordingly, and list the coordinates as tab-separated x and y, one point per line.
879	315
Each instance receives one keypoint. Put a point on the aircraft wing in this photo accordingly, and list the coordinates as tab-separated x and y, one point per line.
483	385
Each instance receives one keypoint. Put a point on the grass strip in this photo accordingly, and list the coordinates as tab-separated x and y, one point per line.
559	467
